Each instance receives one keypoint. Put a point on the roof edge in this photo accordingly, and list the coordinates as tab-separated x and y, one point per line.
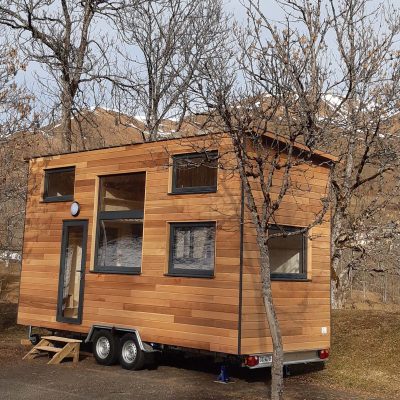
270	135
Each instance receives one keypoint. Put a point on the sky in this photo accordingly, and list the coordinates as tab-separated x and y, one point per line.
270	8
235	7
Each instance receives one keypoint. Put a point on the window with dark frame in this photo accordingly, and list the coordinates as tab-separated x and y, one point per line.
288	254
192	249
59	184
120	223
195	173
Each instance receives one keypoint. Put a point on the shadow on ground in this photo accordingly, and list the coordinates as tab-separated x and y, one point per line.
207	365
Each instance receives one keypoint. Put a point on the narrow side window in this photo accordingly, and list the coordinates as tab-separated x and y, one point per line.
59	184
192	249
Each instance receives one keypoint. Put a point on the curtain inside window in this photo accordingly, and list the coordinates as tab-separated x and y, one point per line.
193	248
120	244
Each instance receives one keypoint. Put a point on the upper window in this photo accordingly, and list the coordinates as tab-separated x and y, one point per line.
192	249
195	173
122	193
120	223
59	184
287	254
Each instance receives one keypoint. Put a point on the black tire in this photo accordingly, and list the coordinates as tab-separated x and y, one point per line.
35	339
105	347
131	356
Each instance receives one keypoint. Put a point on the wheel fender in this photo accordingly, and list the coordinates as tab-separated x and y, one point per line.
143	346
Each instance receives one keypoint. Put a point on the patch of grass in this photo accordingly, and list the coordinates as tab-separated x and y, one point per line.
365	353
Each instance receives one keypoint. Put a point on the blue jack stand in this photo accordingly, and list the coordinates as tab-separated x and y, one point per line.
223	376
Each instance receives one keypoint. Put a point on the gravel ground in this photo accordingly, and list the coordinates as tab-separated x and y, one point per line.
174	379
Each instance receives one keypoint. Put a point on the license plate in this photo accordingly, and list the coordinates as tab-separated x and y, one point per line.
265	359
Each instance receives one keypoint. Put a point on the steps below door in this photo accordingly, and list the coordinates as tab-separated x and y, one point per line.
51	345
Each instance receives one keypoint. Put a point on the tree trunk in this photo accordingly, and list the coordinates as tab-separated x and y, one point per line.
341	282
336	298
336	255
277	358
153	125
66	118
153	131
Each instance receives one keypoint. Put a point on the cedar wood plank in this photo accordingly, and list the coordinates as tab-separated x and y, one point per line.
190	312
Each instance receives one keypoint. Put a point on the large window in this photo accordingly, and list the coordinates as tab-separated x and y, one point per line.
192	249
120	223
59	184
288	256
195	173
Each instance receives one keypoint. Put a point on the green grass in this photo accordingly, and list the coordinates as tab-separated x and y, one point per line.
365	353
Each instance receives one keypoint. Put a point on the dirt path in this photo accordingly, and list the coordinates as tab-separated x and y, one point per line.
173	380
36	380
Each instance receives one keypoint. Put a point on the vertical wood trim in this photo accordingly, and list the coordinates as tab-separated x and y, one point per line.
42	183
167	247
215	246
241	256
309	255
146	179
94	223
170	172
28	177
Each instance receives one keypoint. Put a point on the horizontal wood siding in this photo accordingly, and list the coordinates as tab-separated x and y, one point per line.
193	312
303	308
199	313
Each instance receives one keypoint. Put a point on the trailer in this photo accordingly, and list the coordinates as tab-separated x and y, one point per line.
149	247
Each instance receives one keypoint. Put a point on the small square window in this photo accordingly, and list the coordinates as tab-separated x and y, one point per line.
59	184
195	173
288	256
192	249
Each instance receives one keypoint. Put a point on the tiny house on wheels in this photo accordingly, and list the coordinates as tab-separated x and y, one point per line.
149	247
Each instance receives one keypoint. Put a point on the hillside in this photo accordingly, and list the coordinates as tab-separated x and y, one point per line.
365	352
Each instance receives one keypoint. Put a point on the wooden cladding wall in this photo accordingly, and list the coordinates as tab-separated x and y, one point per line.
192	312
303	307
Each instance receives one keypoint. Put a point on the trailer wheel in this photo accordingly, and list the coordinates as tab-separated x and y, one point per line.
105	347
131	356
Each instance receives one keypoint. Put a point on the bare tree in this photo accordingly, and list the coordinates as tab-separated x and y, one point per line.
15	103
62	38
325	76
15	113
368	69
169	40
277	84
